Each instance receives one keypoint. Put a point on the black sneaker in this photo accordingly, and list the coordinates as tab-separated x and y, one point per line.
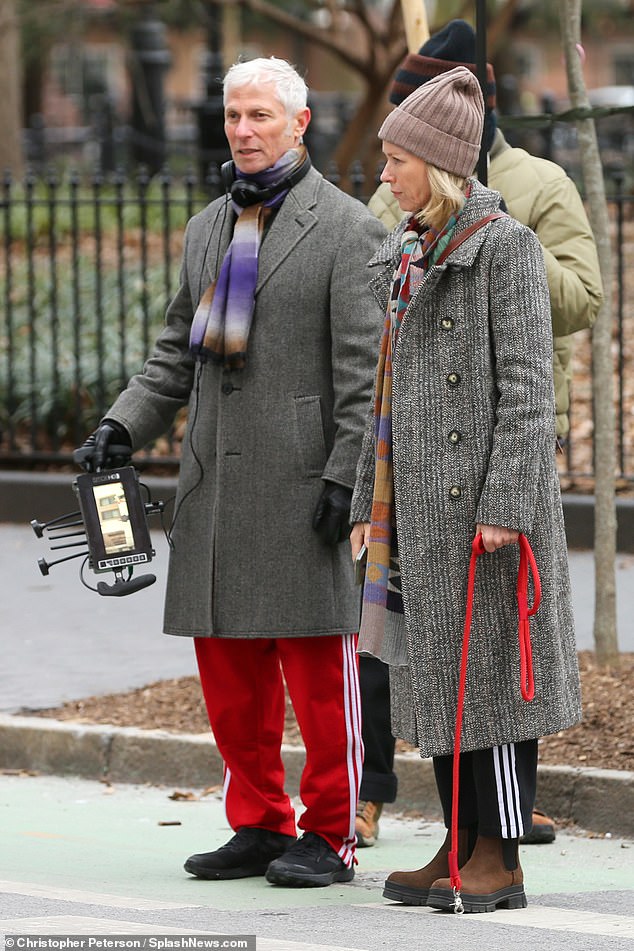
309	862
247	854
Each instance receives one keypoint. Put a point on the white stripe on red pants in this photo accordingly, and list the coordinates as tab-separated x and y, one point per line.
242	684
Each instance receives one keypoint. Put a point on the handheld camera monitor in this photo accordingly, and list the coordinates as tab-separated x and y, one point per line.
114	518
110	529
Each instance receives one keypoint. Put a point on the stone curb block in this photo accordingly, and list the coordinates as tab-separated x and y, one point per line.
48	746
599	800
604	800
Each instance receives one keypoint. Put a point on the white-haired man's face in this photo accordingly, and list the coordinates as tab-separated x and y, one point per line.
258	128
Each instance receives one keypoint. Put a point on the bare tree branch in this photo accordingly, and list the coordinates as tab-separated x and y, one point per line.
310	32
359	9
394	19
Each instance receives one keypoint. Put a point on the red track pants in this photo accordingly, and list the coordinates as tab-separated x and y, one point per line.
243	689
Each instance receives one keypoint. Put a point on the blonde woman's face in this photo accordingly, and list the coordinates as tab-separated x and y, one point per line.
406	174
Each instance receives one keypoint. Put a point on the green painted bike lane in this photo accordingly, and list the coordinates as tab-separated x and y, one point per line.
130	842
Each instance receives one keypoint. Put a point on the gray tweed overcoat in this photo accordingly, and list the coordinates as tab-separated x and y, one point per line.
473	442
246	560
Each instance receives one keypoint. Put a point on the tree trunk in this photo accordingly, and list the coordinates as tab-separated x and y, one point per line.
10	90
605	630
360	137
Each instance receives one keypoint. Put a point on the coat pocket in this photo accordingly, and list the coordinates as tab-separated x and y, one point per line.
310	435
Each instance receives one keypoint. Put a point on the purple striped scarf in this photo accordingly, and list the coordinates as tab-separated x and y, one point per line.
222	322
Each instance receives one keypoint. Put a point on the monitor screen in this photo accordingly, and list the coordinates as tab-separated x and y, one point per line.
114	517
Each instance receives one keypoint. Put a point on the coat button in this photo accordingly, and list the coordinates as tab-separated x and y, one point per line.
455	437
453	379
447	323
227	388
455	491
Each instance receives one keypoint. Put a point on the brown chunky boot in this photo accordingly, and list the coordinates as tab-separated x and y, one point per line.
412	888
492	878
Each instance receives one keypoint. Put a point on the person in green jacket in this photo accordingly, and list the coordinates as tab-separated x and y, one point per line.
539	194
536	192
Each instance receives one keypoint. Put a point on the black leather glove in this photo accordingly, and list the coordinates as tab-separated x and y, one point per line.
331	518
108	447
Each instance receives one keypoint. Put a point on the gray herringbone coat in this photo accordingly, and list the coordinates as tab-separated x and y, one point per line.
473	442
247	562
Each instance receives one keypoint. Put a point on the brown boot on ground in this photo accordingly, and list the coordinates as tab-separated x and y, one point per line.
367	823
487	881
542	831
412	888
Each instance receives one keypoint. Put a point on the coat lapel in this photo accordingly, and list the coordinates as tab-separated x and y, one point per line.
295	219
387	256
218	239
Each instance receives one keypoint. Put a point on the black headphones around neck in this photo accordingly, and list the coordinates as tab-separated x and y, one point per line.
245	192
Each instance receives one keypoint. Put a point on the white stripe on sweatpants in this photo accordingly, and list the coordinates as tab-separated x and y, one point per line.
225	791
508	791
354	752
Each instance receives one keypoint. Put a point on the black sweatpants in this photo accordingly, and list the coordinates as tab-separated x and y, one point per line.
497	789
378	780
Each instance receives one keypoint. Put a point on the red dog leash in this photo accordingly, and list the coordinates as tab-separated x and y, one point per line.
527	684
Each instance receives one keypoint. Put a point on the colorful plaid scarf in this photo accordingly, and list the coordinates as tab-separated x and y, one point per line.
222	322
383	631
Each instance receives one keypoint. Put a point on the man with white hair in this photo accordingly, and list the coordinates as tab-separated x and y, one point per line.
271	340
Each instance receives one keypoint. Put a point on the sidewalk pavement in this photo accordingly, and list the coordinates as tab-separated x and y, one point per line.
84	858
63	642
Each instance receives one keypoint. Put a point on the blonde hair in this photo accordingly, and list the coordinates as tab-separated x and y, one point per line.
446	197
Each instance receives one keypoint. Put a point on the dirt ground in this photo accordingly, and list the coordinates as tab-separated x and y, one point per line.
604	739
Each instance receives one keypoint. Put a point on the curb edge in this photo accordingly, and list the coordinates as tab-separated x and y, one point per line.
598	800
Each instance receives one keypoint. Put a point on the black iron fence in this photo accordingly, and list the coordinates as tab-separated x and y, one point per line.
87	268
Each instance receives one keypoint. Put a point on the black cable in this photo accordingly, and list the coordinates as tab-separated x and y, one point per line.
81	575
201	471
199	368
161	510
164	528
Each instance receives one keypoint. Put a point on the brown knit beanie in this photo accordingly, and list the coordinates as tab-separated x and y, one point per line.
441	122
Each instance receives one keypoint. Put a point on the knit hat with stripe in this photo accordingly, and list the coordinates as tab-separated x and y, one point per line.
454	45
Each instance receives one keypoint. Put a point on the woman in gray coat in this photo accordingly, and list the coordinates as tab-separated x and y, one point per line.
460	443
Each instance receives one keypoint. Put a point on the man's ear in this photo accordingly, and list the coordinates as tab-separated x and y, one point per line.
301	121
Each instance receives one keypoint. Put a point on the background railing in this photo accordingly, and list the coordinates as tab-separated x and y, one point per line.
88	266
